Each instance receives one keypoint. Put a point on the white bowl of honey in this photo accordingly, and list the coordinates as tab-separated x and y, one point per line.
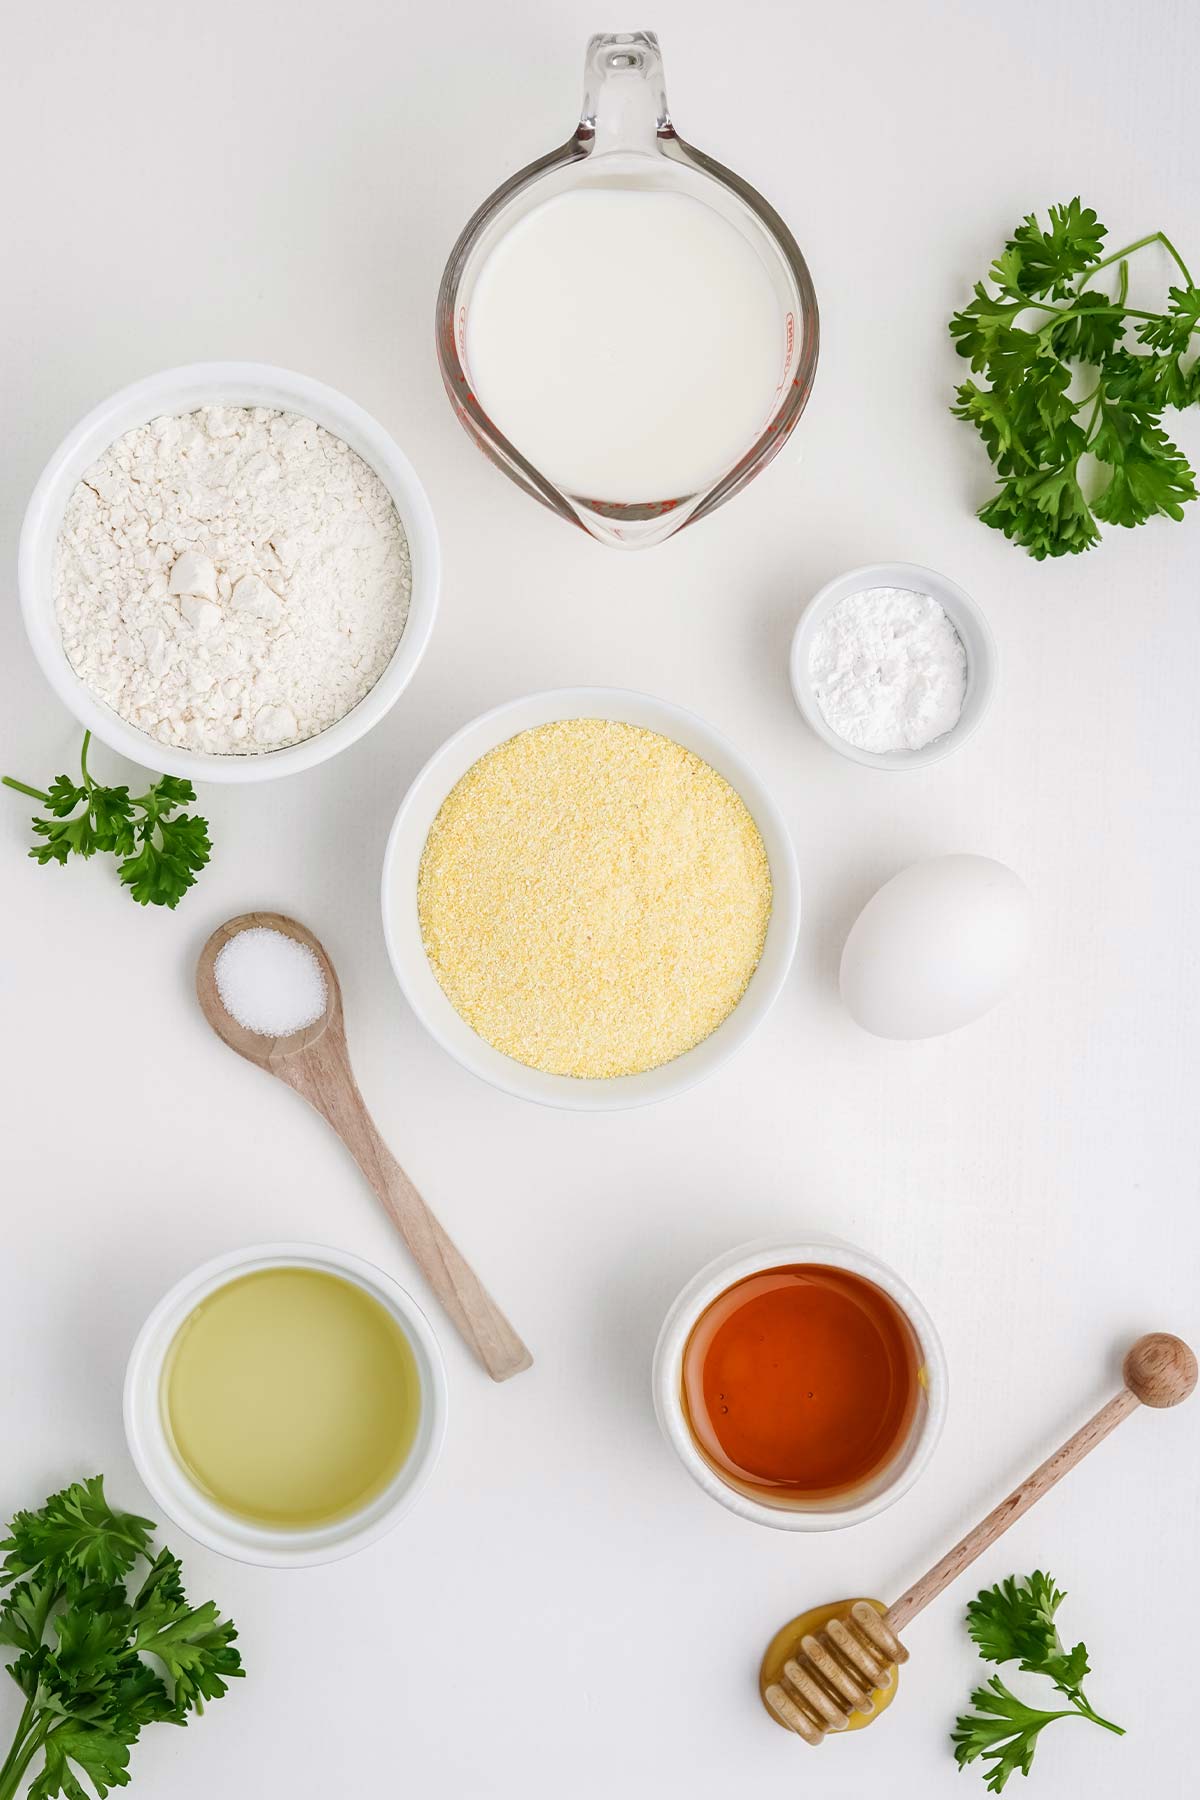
801	1384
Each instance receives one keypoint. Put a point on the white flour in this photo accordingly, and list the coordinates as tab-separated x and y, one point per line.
888	669
231	580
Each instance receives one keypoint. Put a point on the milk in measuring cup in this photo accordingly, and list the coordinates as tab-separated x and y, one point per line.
628	341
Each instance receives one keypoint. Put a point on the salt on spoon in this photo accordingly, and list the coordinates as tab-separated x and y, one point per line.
276	1000
270	983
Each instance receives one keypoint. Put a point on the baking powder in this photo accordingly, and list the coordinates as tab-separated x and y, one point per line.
231	580
888	669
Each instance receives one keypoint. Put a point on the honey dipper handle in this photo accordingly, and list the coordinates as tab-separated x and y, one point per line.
1001	1517
323	1075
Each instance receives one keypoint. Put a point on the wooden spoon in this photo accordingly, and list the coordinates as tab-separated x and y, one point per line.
316	1063
831	1673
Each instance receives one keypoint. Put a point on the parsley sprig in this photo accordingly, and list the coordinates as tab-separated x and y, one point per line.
161	849
1030	334
1014	1622
82	1635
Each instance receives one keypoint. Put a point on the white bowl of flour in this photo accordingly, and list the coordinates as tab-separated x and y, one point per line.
229	572
893	665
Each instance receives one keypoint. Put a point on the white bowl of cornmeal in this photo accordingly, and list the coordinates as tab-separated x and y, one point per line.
590	898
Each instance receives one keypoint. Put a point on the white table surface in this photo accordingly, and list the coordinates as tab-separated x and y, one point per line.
565	1613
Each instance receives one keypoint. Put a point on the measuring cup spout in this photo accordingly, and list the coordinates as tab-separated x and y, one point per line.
624	94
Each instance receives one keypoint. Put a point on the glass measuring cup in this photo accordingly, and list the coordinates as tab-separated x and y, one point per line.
625	138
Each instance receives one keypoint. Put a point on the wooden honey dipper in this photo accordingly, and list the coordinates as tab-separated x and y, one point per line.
833	1672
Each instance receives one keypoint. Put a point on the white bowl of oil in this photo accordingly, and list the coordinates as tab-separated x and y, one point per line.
286	1404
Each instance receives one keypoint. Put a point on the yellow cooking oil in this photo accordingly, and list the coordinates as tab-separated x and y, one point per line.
786	1642
291	1397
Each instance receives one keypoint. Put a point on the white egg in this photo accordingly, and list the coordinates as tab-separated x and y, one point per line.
936	947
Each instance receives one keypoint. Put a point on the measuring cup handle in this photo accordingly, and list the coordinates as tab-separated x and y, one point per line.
624	95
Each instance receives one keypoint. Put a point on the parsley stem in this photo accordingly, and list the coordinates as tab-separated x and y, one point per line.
23	1725
1093	312
1085	1712
14	1769
1153	237
1182	266
22	787
1089	433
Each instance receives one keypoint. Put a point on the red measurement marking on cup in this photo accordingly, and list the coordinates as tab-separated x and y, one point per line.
789	345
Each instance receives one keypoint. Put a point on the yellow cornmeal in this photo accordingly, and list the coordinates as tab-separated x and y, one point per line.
593	898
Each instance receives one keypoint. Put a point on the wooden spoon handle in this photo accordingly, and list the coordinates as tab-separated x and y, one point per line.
324	1077
1001	1517
462	1294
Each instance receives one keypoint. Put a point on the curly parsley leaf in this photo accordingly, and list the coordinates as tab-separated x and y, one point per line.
161	1587
1089	331
1047	513
1002	1730
64	796
1150	382
64	838
101	1752
1149	475
986	325
194	1649
161	849
1173	329
172	853
1048	261
1036	341
191	1642
75	1533
24	1612
83	1640
1015	1622
112	816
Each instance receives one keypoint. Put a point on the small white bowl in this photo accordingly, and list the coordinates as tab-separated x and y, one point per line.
963	614
185	1504
844	1509
402	928
180	391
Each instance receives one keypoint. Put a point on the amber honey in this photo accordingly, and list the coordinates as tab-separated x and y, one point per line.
801	1383
787	1643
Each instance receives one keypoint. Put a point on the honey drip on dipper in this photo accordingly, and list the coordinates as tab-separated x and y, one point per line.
834	1669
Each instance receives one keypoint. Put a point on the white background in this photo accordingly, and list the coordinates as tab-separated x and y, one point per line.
564	1613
